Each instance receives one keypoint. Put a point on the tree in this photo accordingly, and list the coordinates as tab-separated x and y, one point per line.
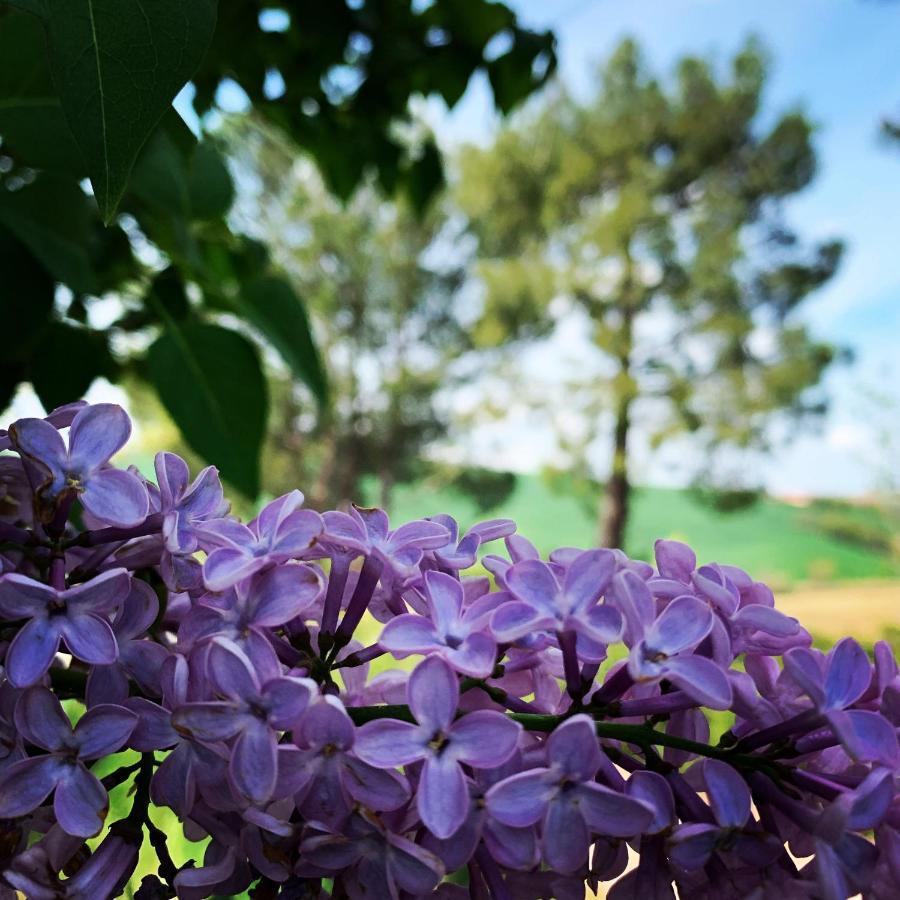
86	91
380	282
656	211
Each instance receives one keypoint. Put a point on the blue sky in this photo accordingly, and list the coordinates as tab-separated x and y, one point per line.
839	60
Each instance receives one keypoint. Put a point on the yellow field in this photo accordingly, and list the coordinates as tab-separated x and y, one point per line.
867	610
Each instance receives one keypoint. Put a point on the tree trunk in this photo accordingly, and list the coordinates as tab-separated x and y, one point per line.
614	506
616	496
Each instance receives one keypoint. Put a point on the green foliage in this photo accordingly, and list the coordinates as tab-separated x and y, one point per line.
224	415
86	88
772	539
488	489
654	211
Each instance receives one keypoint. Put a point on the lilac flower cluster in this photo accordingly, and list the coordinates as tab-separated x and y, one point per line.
553	713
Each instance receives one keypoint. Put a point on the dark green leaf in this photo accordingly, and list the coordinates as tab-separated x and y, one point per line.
168	289
52	217
35	7
209	184
32	123
117	65
160	178
26	297
424	177
66	362
270	304
211	383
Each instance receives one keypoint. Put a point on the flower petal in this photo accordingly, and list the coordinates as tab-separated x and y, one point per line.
226	566
97	433
847	674
515	619
117	497
484	738
866	736
231	672
103	730
475	656
31	652
611	813
288	698
254	762
728	793
409	633
207	721
534	583
522	799
675	560
653	790
22	597
81	802
101	594
26	784
443	798
682	624
326	722
445	600
387	743
588	577
573	750
701	679
284	593
565	835
40	718
692	845
90	639
433	694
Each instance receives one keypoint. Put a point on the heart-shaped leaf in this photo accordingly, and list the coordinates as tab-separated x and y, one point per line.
117	65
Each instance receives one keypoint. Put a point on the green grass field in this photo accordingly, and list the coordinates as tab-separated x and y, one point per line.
774	541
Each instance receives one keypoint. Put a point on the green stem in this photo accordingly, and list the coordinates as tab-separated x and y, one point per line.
644	736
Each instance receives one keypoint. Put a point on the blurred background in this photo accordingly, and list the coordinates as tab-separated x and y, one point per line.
619	271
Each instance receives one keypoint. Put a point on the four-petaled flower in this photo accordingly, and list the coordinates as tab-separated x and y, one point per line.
183	503
483	739
251	713
80	803
662	653
833	683
280	532
542	603
566	798
451	632
691	846
97	433
75	615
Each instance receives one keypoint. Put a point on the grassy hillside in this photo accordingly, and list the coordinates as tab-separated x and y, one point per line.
773	540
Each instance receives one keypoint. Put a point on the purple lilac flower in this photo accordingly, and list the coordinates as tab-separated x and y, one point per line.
483	739
139	659
184	504
457	635
368	531
835	683
462	553
663	653
327	778
61	417
565	798
97	433
369	858
247	611
691	845
74	615
250	713
80	802
543	603
282	531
